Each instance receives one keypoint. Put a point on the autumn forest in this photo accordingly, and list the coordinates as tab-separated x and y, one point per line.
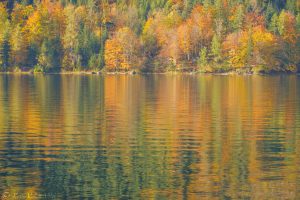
150	35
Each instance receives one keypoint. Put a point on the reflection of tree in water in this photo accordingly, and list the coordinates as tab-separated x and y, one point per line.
159	137
188	159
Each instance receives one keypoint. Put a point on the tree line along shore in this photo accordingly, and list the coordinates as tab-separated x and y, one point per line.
157	36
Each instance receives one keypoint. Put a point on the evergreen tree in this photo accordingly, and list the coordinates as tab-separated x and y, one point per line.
70	40
273	24
206	3
31	59
103	38
219	8
43	61
187	7
216	49
238	19
298	22
144	8
281	22
49	58
101	60
4	53
10	6
202	60
249	50
4	38
291	5
270	11
19	49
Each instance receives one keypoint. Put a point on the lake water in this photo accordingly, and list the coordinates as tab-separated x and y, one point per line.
149	137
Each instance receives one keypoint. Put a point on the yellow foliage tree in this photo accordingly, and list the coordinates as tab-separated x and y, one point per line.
47	21
121	51
3	21
248	47
196	32
114	57
184	39
165	27
20	14
287	27
18	47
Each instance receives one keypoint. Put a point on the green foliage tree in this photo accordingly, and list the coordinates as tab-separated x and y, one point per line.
70	40
4	53
273	23
281	22
150	51
216	49
250	46
187	7
18	45
238	19
298	22
49	58
202	60
270	11
103	38
5	27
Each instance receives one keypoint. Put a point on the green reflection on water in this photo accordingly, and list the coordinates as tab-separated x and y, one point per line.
150	137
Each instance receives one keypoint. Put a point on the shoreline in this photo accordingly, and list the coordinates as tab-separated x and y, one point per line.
152	73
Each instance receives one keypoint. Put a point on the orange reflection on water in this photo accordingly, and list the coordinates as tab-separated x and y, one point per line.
154	136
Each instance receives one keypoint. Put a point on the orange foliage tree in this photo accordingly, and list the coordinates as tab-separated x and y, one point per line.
121	51
249	48
184	39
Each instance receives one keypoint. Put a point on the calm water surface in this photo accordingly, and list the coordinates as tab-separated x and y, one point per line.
149	137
